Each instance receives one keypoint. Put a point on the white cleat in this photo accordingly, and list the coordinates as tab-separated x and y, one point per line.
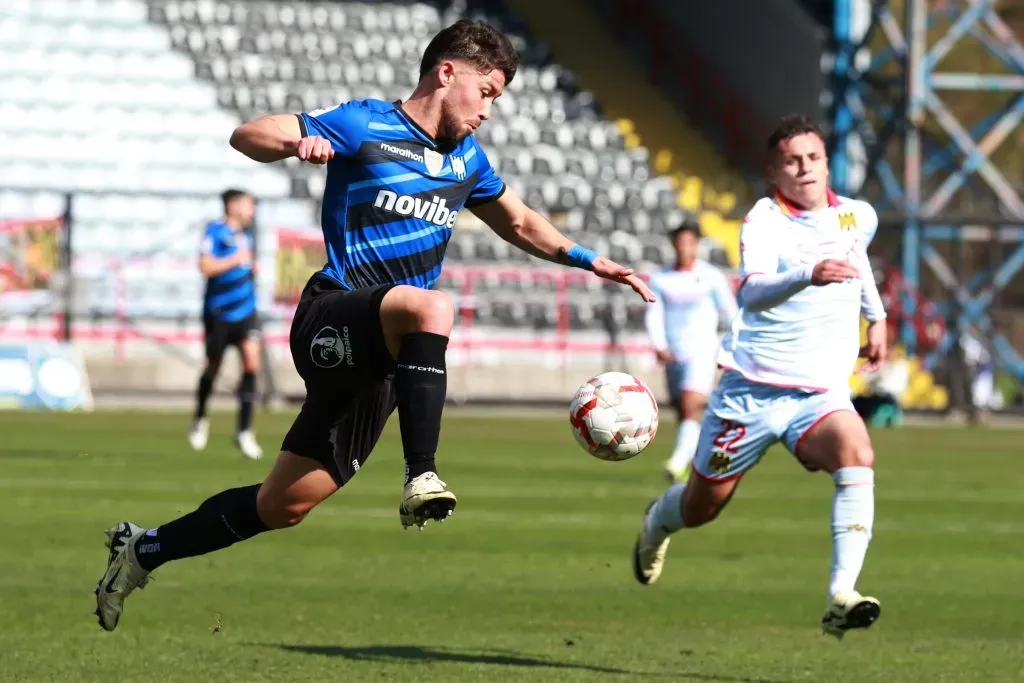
246	441
199	434
849	611
123	575
425	498
649	553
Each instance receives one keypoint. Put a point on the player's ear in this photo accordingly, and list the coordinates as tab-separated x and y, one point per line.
446	72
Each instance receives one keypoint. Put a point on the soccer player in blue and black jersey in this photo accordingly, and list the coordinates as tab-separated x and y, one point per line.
370	332
229	316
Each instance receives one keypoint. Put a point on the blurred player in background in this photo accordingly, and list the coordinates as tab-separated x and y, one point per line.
787	361
370	334
693	296
229	316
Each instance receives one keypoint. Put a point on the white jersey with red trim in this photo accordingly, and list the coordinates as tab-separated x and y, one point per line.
811	339
690	304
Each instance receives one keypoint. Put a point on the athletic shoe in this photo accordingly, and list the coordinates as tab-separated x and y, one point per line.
123	575
849	611
425	498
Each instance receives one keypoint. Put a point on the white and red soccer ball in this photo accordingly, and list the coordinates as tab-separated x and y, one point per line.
614	416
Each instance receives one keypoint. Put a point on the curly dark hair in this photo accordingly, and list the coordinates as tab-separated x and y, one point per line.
473	41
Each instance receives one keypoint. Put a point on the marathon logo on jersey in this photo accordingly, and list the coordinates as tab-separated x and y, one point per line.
329	348
401	152
433	210
847	221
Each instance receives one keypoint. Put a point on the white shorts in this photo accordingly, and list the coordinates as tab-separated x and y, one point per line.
745	418
695	374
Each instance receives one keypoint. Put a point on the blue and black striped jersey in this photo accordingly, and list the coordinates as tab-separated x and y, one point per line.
230	296
393	193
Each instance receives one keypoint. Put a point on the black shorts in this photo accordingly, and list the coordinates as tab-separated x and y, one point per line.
220	334
338	348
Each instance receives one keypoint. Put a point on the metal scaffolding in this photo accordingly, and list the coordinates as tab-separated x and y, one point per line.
898	141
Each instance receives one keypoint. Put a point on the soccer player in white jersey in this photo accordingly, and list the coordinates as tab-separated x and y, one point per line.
787	362
693	297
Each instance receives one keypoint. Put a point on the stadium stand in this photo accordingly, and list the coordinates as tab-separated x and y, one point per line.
549	140
139	99
132	103
97	103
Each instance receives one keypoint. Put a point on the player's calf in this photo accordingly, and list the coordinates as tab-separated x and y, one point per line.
416	325
688	506
839	444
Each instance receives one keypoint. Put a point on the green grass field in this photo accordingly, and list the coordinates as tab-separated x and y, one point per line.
529	581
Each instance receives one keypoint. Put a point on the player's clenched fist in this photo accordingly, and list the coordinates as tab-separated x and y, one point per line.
315	150
830	270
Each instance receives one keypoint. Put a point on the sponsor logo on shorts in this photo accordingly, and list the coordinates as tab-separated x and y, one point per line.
330	348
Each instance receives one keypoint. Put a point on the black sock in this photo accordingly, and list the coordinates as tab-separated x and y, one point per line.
222	520
203	394
421	383
246	397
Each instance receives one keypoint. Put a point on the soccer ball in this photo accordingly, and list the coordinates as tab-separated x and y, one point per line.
614	416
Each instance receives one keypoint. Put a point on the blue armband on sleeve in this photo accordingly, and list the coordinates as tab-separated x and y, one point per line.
580	257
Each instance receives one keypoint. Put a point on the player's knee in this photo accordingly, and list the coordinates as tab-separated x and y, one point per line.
435	313
212	367
408	309
857	455
693	408
280	515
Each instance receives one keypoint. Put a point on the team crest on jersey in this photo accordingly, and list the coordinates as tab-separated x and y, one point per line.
433	161
847	221
459	168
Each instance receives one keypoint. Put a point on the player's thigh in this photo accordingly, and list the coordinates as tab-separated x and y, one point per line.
693	403
734	435
249	345
250	350
699	375
216	340
828	434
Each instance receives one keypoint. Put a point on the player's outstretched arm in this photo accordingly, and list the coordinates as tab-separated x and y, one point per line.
279	136
523	227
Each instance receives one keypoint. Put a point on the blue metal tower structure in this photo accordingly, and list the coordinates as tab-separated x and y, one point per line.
898	142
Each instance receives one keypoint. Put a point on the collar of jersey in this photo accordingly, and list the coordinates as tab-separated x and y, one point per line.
408	119
791	209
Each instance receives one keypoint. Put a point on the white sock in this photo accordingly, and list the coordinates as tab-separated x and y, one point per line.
853	515
686	445
666	515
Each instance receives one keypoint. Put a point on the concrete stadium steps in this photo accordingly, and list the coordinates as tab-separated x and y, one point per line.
619	82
